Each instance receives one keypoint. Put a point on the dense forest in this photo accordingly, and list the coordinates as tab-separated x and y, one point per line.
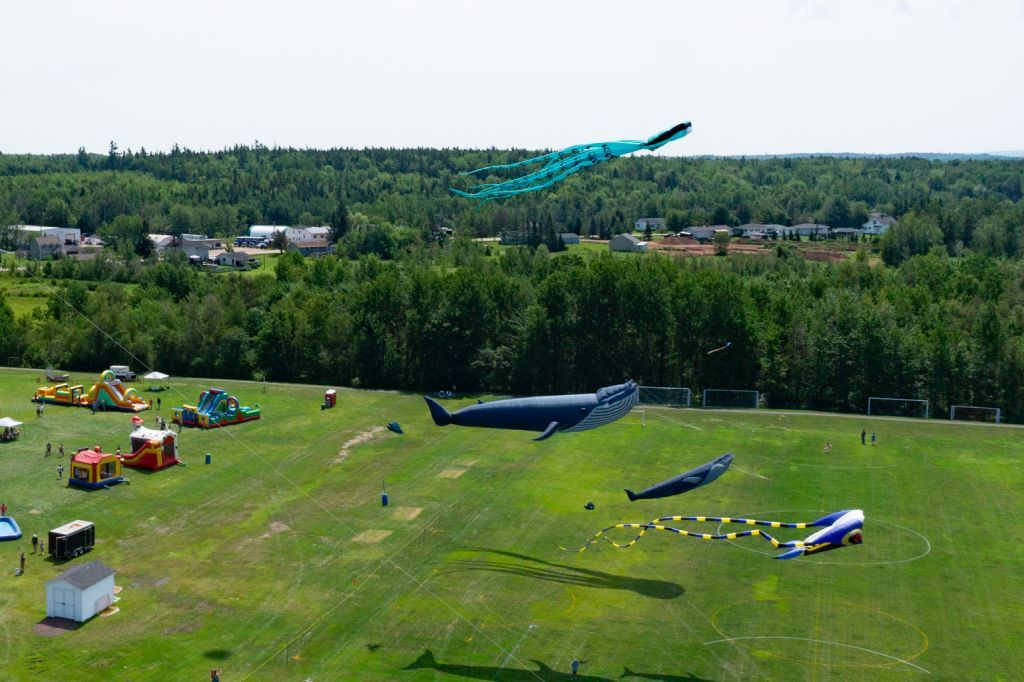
941	318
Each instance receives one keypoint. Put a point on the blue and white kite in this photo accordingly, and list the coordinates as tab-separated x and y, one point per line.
560	165
841	529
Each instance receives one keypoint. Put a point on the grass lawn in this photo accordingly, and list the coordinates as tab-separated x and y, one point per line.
278	562
24	294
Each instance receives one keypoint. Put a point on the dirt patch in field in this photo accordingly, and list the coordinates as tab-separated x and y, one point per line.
451	473
824	256
358	439
407	513
275	527
52	627
464	462
371	537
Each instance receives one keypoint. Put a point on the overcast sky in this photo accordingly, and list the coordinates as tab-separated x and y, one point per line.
754	76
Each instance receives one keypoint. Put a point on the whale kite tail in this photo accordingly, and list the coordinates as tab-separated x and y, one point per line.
630	494
441	416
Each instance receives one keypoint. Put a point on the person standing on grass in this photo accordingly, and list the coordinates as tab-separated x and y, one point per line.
60	471
828	448
158	403
49	449
3	509
872	439
575	665
35	543
863	434
22	564
60	451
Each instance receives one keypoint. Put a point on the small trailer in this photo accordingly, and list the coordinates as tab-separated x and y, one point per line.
72	539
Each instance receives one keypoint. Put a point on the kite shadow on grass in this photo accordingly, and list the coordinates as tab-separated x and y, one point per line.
539	569
543	671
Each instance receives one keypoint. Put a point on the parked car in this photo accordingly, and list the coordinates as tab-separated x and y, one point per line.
122	372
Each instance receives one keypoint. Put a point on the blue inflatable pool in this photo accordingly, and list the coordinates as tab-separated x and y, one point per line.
9	528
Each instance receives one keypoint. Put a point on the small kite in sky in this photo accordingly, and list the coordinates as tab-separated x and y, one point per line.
728	344
840	529
561	164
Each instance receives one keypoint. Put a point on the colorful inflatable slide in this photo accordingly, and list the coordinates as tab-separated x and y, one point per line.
108	393
215	408
152	449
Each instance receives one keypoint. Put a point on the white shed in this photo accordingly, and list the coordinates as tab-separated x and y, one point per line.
80	593
628	243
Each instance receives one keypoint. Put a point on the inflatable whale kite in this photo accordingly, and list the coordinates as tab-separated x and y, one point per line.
694	478
547	414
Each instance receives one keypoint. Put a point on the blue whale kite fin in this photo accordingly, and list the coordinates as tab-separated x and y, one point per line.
548	432
792	554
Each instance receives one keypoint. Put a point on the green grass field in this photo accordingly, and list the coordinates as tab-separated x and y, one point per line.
278	562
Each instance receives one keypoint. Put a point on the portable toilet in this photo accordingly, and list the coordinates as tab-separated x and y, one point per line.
330	398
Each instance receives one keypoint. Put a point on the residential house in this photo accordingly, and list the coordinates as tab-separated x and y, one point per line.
808	230
878	223
760	230
656	224
627	243
44	248
70	238
851	233
704	233
311	247
321	233
236	259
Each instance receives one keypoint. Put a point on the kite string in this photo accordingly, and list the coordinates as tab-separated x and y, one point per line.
386	559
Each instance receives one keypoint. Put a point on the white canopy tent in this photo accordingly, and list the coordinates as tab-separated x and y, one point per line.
8	430
8	423
157	376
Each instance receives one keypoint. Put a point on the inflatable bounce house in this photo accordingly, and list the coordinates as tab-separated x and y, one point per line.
94	469
215	408
152	449
108	393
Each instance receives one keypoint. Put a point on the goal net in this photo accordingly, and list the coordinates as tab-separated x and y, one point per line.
898	407
725	397
666	396
975	413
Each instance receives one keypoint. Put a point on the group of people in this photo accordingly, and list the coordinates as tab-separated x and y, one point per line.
863	441
49	450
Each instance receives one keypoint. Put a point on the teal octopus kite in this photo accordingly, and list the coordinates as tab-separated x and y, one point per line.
561	164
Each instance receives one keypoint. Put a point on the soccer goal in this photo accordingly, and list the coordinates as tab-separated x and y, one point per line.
976	413
665	396
898	407
726	397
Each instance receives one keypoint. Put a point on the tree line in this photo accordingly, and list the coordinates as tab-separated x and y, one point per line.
458	316
969	204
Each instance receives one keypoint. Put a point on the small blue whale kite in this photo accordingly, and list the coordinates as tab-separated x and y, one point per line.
547	414
560	165
841	529
694	478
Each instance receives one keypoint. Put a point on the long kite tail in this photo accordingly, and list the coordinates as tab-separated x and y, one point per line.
657	524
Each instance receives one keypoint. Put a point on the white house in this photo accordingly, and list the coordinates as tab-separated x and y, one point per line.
808	229
81	592
627	243
653	223
878	223
321	233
